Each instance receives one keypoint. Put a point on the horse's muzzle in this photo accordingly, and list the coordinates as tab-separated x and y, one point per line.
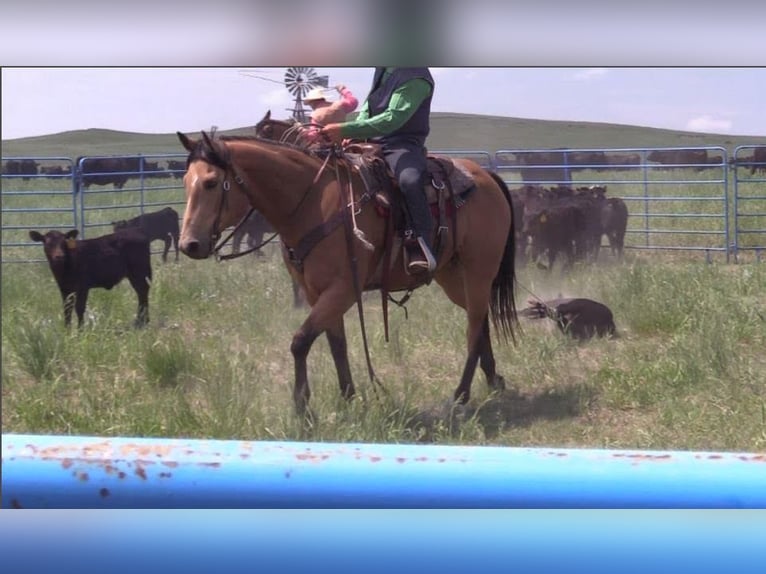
195	249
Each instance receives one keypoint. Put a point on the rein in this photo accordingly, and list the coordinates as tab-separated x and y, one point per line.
352	232
215	235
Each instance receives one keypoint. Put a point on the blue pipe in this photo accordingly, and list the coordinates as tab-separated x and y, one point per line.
100	472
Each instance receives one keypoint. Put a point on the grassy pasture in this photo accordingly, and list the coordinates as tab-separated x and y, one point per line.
688	372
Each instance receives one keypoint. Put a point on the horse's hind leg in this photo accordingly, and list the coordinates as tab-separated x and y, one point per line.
487	359
336	337
474	298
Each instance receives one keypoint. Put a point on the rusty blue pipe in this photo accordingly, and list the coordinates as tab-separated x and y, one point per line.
99	472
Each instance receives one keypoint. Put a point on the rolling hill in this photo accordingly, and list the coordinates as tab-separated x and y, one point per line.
448	132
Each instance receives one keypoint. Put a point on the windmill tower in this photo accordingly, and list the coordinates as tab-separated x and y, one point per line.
299	80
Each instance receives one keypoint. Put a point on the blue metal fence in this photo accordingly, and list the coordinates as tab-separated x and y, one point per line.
100	472
749	200
678	198
53	195
681	204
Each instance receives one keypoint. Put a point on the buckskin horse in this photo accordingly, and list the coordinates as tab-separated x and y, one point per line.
339	240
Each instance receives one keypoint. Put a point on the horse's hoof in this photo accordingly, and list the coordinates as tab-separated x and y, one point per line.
454	411
497	383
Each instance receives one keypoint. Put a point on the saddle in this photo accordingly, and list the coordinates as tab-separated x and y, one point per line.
446	190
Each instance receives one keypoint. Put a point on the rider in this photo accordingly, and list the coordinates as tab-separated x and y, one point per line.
396	114
324	112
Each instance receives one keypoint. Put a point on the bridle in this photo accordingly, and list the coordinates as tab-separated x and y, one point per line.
229	169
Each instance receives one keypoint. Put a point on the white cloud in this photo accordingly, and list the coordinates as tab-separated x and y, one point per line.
590	73
708	124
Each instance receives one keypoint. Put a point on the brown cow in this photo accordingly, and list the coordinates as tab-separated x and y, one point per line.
80	265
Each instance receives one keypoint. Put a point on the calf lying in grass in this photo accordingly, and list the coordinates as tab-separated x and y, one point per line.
79	265
579	318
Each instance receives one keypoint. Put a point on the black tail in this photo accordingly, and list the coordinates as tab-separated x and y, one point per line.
502	305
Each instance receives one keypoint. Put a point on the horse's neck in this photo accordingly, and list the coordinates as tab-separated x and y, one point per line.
280	182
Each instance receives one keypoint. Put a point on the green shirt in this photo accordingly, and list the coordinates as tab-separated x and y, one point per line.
404	101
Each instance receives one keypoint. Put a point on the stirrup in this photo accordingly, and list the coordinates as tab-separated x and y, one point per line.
420	266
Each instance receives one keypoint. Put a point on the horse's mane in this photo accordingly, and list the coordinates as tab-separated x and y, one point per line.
219	156
258	139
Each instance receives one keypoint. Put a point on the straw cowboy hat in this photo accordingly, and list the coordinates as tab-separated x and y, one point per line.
315	95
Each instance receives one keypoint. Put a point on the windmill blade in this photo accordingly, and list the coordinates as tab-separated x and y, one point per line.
300	79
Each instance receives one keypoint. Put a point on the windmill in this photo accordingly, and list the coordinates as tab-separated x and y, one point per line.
299	80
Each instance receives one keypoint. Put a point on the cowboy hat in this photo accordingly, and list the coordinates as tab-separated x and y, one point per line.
315	95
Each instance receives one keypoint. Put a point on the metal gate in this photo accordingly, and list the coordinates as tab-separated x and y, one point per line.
677	198
749	167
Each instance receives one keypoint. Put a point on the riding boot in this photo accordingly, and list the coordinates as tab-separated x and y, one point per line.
418	240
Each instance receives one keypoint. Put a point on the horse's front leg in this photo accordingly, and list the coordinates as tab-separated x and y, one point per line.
326	316
336	337
300	347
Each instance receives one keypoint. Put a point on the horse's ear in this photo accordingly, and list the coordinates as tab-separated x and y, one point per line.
187	142
208	140
268	115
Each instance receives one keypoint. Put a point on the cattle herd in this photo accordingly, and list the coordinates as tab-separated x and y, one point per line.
559	223
97	170
567	222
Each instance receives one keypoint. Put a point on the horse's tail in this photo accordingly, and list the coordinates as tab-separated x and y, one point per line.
502	305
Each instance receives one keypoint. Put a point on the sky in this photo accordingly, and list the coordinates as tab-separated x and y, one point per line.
40	101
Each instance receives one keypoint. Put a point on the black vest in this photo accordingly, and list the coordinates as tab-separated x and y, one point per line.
416	129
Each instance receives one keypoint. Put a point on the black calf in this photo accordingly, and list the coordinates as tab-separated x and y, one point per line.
79	265
162	224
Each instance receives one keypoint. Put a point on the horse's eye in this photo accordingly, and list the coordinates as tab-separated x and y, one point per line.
210	184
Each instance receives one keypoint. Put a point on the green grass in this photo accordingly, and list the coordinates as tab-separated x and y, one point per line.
688	371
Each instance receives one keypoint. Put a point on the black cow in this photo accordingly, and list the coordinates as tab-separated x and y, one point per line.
759	157
614	223
106	170
622	161
55	171
158	225
22	167
536	170
79	265
253	231
579	318
177	168
556	227
680	157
